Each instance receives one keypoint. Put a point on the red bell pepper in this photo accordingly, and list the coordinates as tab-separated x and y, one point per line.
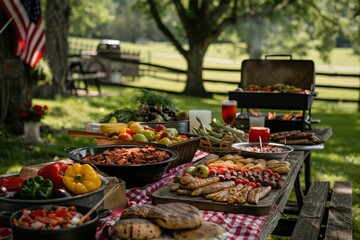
55	173
12	183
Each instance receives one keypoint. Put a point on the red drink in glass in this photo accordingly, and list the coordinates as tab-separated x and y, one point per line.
256	132
228	111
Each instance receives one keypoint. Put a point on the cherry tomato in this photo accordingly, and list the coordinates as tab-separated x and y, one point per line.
243	171
128	130
221	170
245	181
212	171
252	184
238	181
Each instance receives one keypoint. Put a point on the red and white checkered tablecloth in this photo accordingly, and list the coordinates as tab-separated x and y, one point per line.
237	226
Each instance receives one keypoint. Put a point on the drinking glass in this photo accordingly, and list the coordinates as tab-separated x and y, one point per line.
228	111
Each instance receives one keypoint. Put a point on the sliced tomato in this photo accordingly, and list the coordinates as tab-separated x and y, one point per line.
61	212
38	213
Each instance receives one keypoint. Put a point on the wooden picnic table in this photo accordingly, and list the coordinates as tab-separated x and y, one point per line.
237	226
318	205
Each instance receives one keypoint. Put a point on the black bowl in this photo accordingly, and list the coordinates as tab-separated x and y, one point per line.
133	175
84	231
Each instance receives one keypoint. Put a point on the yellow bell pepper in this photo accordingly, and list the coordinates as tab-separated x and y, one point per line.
81	178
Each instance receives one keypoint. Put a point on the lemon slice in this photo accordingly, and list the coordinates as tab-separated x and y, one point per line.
111	128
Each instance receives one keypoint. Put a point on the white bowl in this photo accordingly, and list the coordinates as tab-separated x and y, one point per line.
263	155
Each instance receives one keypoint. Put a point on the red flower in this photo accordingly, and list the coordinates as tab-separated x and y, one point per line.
33	113
37	107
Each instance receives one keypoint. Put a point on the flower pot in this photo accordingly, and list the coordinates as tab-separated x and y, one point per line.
32	132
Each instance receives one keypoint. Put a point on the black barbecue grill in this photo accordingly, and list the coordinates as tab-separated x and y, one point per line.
299	73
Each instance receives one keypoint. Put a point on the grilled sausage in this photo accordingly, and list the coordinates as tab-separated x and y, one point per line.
184	180
264	192
254	196
215	187
202	182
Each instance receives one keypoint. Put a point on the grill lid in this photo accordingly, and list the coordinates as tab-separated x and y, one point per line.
300	73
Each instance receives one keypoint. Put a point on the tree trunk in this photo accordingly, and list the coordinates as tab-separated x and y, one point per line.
194	84
57	28
13	79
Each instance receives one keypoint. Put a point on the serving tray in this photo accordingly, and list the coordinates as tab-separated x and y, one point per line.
264	207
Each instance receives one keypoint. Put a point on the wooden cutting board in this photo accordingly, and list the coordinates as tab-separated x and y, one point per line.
264	207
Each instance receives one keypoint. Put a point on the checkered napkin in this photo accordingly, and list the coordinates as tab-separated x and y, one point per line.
237	226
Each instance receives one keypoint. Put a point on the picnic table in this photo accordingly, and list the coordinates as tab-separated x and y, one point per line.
79	79
314	206
237	226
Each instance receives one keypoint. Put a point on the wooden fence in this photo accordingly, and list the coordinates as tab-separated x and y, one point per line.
146	68
149	68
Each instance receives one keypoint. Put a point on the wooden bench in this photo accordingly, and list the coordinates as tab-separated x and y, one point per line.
325	214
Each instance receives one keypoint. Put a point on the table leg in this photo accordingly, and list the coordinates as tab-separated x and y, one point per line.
307	164
97	83
298	192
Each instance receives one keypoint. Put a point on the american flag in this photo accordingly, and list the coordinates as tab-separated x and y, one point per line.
26	18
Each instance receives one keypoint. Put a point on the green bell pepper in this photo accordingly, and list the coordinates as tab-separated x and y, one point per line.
37	188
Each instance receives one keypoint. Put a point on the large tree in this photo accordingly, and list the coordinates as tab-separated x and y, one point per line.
200	24
284	26
57	28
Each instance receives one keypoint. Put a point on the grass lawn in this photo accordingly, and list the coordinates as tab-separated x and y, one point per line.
340	160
